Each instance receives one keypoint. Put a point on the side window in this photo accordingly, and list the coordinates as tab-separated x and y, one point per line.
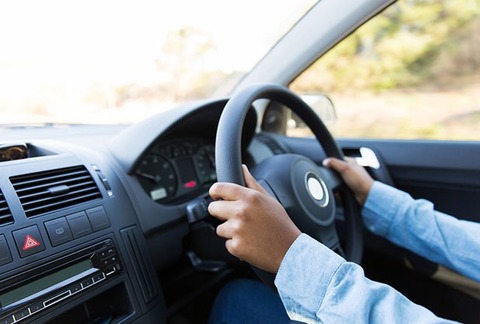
413	72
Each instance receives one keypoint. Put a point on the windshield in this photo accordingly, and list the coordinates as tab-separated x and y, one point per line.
120	61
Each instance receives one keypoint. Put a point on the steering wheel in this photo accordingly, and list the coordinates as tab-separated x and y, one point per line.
303	188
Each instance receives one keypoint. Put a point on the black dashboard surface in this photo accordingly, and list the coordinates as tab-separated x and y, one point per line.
114	195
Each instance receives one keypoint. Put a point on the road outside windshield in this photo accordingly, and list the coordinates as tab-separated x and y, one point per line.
120	61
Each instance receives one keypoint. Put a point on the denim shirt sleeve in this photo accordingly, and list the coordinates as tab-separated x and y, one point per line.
318	286
415	225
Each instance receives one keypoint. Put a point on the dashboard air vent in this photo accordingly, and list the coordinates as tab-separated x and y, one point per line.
5	214
44	192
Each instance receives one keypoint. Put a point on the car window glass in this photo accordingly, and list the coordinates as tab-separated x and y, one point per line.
412	72
117	62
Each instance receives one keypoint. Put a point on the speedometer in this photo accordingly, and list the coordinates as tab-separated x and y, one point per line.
157	177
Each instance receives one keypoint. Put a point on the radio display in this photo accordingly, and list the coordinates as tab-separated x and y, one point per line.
45	284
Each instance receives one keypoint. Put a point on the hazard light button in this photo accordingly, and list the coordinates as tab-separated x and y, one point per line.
28	241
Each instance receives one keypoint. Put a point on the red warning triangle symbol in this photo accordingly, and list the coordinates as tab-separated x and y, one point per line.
29	243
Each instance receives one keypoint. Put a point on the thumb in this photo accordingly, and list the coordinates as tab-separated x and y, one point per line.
250	181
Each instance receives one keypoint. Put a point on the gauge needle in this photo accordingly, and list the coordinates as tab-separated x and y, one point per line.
149	176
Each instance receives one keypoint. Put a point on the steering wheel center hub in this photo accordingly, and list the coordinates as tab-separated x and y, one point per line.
311	192
317	189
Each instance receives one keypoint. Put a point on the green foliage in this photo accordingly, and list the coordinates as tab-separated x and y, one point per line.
402	47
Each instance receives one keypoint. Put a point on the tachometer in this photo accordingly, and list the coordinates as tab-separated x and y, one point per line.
205	162
157	177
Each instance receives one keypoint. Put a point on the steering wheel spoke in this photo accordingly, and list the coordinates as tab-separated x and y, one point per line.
331	178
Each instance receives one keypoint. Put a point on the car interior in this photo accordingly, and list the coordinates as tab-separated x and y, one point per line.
108	223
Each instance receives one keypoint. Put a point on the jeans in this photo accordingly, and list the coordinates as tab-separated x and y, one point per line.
248	301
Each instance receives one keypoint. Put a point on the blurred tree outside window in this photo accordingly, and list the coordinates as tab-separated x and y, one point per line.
412	72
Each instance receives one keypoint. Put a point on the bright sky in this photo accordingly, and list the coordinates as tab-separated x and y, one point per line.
116	41
125	31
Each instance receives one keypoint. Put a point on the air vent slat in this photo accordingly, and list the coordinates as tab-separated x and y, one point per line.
49	175
48	207
5	213
54	199
27	185
5	219
37	196
39	193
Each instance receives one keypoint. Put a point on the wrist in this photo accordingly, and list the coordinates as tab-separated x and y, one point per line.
362	195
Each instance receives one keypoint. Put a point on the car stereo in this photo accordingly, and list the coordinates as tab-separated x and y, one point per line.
36	290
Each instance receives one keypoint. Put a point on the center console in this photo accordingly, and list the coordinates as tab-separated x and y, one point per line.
71	250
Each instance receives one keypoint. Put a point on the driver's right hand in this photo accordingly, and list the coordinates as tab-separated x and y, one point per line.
256	227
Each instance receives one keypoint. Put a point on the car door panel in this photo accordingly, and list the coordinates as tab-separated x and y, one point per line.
446	173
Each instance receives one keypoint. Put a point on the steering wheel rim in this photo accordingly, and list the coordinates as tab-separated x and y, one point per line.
228	163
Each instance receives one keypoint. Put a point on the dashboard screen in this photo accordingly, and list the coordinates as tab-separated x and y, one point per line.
39	285
174	170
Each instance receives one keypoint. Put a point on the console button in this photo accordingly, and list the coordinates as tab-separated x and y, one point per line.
58	231
98	277
7	320
36	307
21	314
87	283
75	288
5	255
109	261
28	241
98	218
79	224
106	253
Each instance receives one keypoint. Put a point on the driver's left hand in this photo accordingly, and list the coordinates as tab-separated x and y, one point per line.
256	227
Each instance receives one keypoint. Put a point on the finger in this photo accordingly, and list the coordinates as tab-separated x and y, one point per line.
336	164
353	163
226	191
351	160
234	248
219	209
223	231
250	181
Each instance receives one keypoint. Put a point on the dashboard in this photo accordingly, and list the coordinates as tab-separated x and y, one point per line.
93	219
177	170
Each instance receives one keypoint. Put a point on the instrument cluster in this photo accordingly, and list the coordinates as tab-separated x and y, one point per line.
177	170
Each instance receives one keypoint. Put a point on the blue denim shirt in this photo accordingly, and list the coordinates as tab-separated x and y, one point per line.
318	286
